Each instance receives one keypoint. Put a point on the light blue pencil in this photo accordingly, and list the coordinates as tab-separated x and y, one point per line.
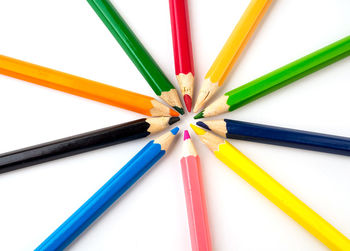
109	193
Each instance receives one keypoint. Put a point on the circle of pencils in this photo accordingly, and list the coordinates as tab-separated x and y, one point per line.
163	117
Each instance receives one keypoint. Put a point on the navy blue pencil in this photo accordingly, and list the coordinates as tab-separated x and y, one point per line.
108	193
274	135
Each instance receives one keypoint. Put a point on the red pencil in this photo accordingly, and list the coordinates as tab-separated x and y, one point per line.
182	46
195	199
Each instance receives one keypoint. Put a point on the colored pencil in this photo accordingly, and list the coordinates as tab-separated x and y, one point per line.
274	135
182	46
83	87
137	52
195	197
231	51
274	191
81	143
109	193
278	78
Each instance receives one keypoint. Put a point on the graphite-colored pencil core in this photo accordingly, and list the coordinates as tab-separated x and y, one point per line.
173	120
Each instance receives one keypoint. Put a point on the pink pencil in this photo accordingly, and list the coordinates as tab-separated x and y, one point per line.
195	199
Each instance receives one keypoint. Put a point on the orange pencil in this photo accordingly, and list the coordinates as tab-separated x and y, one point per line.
83	87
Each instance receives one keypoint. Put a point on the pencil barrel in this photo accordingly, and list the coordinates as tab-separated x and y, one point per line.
131	45
287	137
73	145
196	204
103	198
79	86
237	41
181	36
288	74
282	198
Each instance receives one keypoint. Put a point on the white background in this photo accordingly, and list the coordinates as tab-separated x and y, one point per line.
67	35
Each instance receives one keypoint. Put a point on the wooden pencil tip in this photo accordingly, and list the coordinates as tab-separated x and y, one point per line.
166	139
186	86
171	97
188	102
207	90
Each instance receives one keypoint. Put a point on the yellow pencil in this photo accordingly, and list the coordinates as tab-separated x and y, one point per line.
231	50
274	191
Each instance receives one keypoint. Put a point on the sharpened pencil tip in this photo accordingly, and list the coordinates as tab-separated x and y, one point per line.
186	135
179	110
197	130
174	131
174	113
188	102
199	115
173	120
202	124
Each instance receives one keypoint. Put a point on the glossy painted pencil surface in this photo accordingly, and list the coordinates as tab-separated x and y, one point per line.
81	143
274	191
109	193
279	136
278	78
83	87
182	46
195	197
137	52
231	51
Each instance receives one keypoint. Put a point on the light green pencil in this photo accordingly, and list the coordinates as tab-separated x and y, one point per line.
278	78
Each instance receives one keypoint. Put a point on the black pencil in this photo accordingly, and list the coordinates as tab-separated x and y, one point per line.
83	142
274	135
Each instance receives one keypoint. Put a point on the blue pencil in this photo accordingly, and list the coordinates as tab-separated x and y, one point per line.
109	193
279	136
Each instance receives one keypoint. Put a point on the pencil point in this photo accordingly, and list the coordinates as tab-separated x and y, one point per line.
174	131
186	135
199	115
202	124
207	90
173	120
179	109
188	102
174	113
197	130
